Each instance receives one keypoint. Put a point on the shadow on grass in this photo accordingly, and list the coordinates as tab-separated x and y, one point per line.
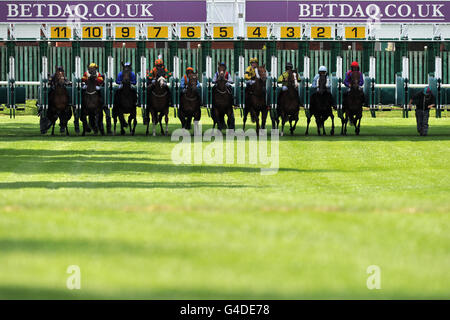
118	184
30	132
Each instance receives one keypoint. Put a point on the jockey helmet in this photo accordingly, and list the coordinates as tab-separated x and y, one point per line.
189	69
289	65
127	64
159	62
322	69
254	60
60	68
355	64
93	65
222	64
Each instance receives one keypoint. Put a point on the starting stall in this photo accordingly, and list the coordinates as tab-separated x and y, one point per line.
189	40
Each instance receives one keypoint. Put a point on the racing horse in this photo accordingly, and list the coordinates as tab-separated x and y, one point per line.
255	100
58	105
288	104
222	103
158	98
321	107
190	103
125	101
352	105
91	107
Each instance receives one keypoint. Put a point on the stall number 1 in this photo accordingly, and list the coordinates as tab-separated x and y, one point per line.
355	32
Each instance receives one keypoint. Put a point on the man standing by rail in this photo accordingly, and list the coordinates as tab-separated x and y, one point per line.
424	101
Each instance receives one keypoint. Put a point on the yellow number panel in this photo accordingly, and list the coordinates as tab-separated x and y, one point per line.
191	32
125	32
290	32
156	32
61	32
320	32
93	32
256	32
223	32
355	32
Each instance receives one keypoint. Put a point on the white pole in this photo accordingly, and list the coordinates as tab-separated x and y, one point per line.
44	74
110	67
176	67
11	68
405	68
274	66
306	67
372	69
339	68
438	68
241	67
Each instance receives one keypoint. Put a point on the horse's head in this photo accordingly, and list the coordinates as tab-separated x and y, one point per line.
322	82
354	82
126	74
262	72
162	82
193	78
60	78
292	78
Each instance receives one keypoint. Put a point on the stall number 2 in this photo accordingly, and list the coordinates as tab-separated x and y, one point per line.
320	32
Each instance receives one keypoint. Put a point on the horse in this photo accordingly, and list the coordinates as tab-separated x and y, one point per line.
91	106
352	105
222	103
58	105
255	100
190	103
158	103
125	101
288	104
321	107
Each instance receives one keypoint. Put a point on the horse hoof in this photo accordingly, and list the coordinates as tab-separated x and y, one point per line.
282	133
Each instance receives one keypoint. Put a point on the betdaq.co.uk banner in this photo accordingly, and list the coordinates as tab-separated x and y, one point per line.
102	11
348	11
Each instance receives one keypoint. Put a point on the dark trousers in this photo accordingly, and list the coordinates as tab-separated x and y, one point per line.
422	121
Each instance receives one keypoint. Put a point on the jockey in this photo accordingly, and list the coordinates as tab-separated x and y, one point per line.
283	78
159	66
251	73
51	79
348	76
119	76
185	80
86	75
228	76
315	83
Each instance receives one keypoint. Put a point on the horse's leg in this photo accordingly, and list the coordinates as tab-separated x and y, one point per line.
244	120
134	121
263	118
123	123
332	123
129	123
357	126
295	124
154	121
318	125
166	119
308	120
160	117
322	120
230	119
100	122
53	128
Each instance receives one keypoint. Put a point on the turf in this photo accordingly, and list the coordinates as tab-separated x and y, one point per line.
139	226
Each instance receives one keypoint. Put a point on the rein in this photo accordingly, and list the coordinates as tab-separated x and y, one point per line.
159	95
